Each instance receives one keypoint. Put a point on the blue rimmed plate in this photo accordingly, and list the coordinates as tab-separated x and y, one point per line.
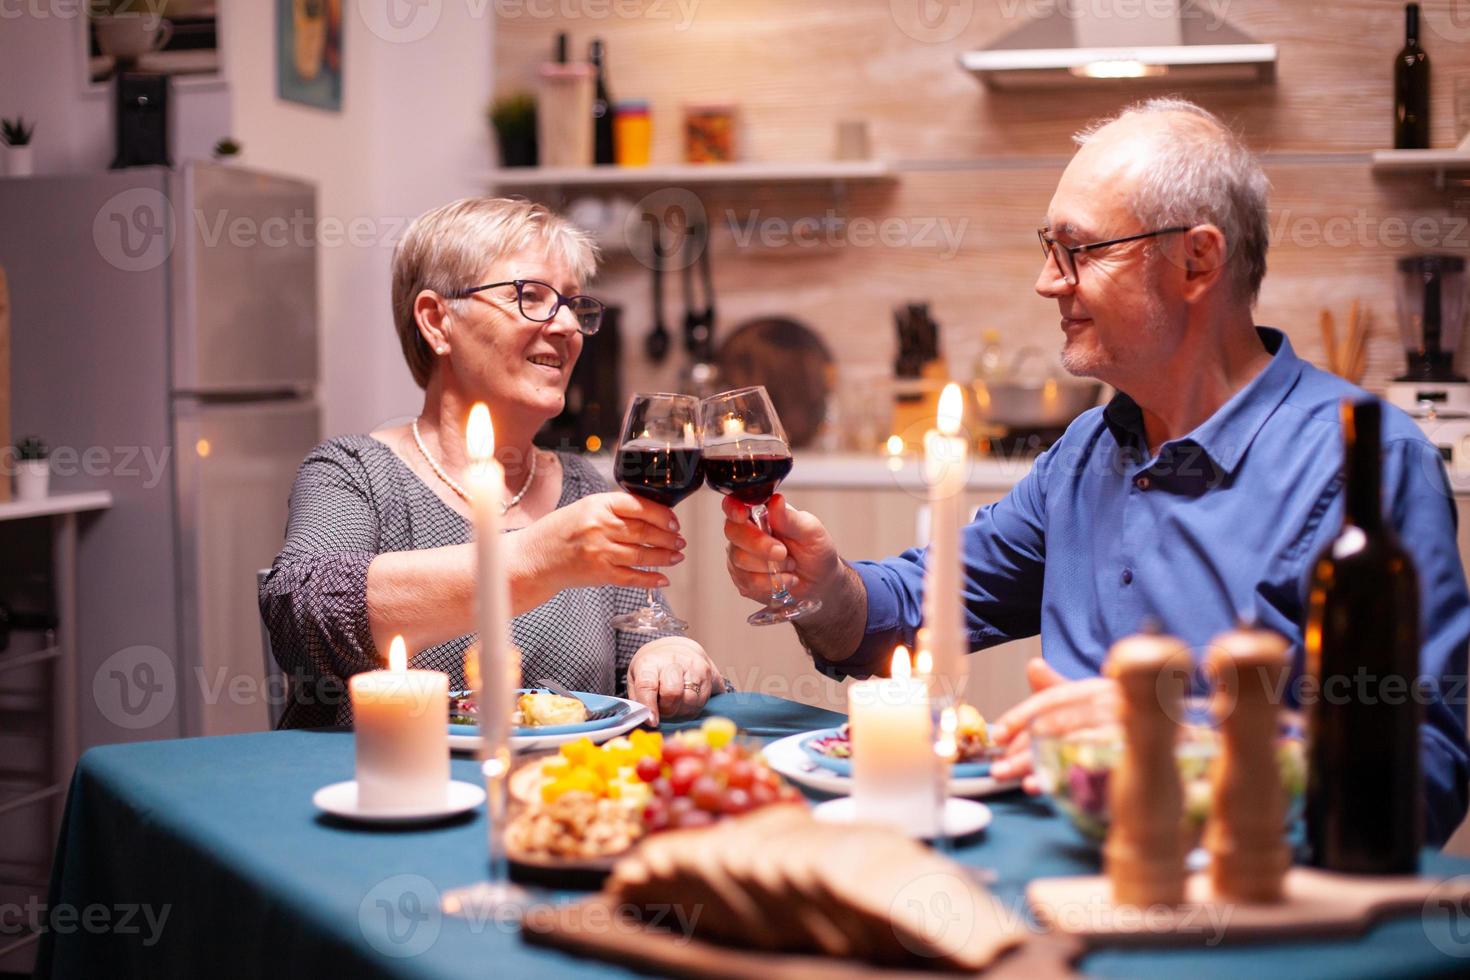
843	767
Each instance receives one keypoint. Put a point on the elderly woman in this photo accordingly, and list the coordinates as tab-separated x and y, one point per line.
488	307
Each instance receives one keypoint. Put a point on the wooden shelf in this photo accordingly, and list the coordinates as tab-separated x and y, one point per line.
61	503
688	174
1437	162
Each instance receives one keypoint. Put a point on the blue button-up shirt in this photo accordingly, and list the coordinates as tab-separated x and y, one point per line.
1223	522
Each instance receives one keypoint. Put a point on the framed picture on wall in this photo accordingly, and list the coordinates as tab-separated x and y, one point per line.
309	52
179	39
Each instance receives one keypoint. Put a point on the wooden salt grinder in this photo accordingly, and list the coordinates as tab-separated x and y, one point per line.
1145	848
1246	834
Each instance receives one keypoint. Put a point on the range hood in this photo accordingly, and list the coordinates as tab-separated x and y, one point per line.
1079	41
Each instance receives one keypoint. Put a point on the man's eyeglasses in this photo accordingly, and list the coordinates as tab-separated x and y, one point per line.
1066	255
540	302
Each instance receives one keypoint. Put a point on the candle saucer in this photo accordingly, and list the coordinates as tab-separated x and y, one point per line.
340	800
961	817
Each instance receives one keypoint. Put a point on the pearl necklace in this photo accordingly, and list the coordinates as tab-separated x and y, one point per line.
505	505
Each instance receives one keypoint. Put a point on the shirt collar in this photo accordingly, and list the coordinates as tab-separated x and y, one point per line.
1227	434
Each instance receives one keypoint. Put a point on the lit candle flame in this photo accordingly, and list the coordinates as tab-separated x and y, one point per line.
946	746
895	445
479	436
924	663
951	409
901	669
734	425
398	654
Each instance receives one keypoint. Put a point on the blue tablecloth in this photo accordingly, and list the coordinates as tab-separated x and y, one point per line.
205	857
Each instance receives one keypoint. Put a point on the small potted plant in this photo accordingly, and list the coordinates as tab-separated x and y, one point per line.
227	150
32	469
17	136
514	119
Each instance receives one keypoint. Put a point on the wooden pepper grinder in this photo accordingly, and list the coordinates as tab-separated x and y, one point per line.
1146	845
1246	834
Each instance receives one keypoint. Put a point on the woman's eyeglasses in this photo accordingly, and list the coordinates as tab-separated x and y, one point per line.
540	302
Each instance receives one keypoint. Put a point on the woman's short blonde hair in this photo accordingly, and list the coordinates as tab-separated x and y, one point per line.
448	249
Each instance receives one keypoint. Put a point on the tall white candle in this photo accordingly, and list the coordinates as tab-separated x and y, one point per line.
893	762
946	459
492	592
401	735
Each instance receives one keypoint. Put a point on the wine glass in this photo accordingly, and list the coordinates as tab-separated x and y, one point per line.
658	459
746	455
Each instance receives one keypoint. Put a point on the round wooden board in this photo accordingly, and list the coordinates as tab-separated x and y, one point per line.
791	361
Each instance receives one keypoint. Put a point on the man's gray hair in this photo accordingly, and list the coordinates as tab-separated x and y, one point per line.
1199	172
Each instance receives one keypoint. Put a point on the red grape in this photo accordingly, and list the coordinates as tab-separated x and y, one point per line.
706	793
649	768
685	772
655	815
679	806
761	794
674	750
735	801
662	788
740	774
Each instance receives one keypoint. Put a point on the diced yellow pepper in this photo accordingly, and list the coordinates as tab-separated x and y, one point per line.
718	732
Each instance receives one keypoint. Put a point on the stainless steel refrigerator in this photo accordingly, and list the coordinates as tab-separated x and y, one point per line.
165	339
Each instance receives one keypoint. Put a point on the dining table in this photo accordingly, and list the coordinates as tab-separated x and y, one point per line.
206	857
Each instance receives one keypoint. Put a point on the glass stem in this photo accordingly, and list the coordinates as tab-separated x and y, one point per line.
779	595
652	601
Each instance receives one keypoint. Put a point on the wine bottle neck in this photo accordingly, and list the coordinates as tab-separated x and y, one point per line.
1411	24
1363	465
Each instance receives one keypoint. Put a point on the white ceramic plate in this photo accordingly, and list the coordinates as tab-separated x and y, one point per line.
340	800
533	743
787	757
961	817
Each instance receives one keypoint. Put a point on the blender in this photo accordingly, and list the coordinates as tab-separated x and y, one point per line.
1431	308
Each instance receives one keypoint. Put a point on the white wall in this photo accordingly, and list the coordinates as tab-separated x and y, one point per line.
42	78
411	135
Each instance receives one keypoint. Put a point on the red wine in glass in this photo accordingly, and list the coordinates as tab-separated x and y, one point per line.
660	473
658	459
749	479
746	455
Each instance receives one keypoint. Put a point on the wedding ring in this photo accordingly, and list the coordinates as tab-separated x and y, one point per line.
694	686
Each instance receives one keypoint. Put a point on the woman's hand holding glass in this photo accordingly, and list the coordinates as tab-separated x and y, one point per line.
598	540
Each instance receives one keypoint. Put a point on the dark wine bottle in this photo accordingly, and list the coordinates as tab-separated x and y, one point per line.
1364	797
1411	88
602	108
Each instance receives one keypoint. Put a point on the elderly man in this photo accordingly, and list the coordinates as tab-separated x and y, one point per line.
1202	491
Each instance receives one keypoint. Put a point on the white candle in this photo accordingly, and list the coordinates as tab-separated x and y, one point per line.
401	733
492	593
893	762
946	459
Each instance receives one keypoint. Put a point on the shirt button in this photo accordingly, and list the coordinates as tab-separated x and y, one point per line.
1141	483
1127	576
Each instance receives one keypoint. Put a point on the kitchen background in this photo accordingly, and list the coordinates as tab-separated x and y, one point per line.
944	213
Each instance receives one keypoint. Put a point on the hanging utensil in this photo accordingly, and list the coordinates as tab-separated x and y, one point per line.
656	344
702	376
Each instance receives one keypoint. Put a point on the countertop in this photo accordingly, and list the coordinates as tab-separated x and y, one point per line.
857	471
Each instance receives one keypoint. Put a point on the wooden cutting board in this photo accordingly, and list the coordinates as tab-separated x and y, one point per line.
6	442
1318	903
594	928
